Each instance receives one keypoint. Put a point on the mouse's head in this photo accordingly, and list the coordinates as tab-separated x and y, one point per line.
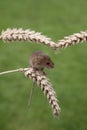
48	63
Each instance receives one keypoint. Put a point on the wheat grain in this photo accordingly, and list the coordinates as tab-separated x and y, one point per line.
72	39
10	35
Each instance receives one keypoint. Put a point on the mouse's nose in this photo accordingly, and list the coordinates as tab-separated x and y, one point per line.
52	65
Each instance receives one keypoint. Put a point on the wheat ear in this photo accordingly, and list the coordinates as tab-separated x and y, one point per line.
28	35
43	82
72	39
10	35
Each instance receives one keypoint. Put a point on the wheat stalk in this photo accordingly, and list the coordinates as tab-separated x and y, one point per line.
11	71
43	82
10	35
72	40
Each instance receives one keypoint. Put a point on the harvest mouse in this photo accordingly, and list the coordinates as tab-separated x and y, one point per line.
39	61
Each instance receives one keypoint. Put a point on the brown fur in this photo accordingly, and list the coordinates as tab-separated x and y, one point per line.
39	60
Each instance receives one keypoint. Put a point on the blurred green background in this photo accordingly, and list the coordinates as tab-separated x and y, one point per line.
56	19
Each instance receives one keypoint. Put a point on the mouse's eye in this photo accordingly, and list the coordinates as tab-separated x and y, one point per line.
48	63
